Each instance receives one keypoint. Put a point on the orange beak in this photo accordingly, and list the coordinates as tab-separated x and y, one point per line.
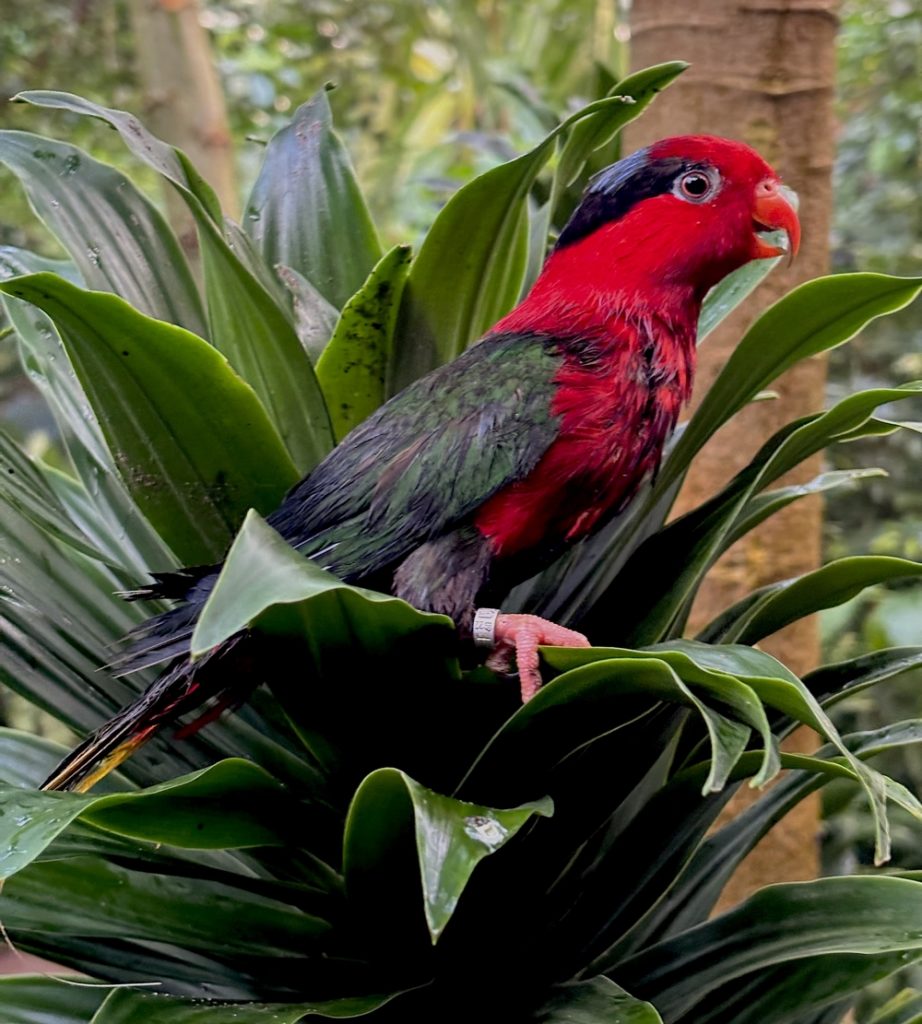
775	209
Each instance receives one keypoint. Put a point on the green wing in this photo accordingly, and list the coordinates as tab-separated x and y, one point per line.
427	458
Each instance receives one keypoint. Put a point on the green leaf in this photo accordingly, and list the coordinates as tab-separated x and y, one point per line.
692	898
106	900
470	268
230	805
44	359
190	438
839	680
315	318
245	321
592	1002
116	237
763	506
47	999
58	618
163	158
451	838
813	318
606	689
352	369
787	993
262	571
24	485
131	1007
725	296
26	759
306	210
779	924
723	673
781	603
260	343
777	687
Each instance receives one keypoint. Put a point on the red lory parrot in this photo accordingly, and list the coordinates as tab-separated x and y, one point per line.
477	475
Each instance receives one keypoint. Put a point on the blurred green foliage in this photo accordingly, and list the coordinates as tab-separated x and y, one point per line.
878	226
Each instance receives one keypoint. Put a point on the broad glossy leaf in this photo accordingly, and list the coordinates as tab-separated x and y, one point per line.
867	915
106	900
451	838
724	297
470	268
128	1007
352	370
763	506
813	318
835	682
190	438
721	673
48	999
648	856
262	571
789	993
592	1002
245	321
830	585
116	237
778	688
45	361
306	209
163	158
261	344
230	805
598	696
692	898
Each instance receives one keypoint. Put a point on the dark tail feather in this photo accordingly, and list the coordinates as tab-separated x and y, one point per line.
107	747
226	676
176	585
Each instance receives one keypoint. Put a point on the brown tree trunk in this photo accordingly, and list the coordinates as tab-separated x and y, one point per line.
183	100
762	71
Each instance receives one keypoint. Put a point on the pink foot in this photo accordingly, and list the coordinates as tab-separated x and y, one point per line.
517	639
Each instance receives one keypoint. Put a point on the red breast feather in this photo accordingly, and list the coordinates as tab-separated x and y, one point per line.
624	299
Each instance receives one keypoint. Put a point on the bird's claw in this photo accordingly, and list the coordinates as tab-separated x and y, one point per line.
516	642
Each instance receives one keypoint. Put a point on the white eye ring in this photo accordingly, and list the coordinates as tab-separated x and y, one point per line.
696	186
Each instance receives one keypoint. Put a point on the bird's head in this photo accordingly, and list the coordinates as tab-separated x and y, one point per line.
683	212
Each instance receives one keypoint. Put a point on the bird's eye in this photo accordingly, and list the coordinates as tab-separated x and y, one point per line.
695	185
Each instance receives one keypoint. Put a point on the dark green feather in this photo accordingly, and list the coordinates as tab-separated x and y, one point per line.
428	458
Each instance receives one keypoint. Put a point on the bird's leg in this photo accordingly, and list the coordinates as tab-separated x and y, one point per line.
516	639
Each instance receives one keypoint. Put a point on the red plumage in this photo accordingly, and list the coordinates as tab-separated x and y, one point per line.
630	294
